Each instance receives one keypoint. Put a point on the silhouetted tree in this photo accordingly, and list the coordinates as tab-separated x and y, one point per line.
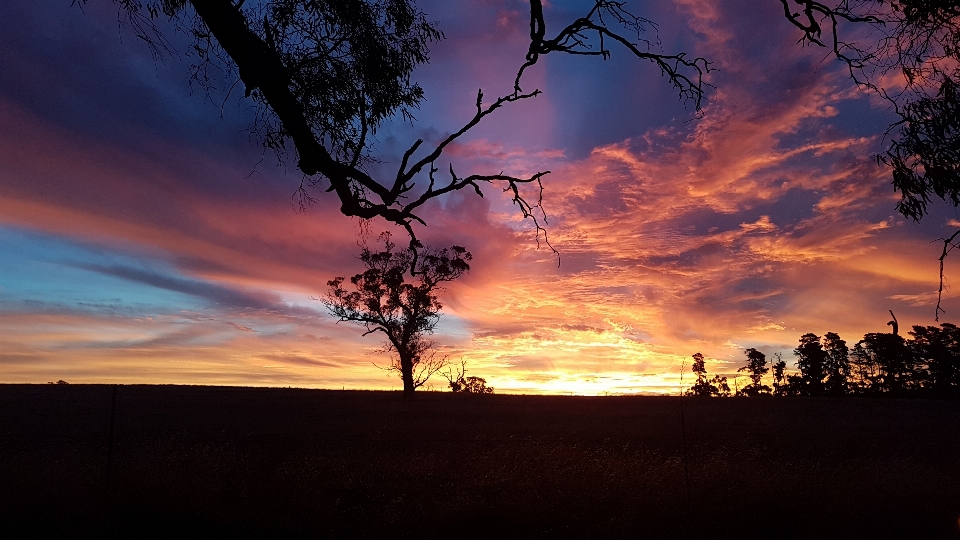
461	384
938	350
707	387
702	386
384	301
756	368
719	386
779	375
863	369
837	364
325	74
879	364
890	364
811	361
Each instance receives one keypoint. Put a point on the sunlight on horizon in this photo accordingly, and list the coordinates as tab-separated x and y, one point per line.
146	239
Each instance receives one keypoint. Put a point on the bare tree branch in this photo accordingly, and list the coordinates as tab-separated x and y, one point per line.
281	49
948	246
573	39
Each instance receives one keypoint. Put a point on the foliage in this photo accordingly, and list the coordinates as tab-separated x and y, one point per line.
459	384
836	365
811	361
926	157
920	41
756	368
346	63
717	386
779	375
924	45
405	312
880	364
893	368
939	350
919	45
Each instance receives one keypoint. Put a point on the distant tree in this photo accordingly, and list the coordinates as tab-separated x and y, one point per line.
938	351
889	364
837	365
756	368
707	387
702	386
779	375
719	386
460	384
811	361
384	301
864	370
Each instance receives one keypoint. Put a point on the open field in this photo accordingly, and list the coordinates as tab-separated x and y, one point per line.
201	461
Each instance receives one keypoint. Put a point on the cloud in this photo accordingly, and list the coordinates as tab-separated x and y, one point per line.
215	293
765	219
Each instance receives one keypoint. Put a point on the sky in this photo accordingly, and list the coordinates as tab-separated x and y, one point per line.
147	237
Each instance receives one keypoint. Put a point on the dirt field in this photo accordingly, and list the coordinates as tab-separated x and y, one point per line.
247	462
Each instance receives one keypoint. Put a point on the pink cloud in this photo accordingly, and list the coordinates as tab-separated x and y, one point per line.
762	221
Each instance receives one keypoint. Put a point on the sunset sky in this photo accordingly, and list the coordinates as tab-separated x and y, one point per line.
146	237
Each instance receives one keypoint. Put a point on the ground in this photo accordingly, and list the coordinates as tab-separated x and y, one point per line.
253	462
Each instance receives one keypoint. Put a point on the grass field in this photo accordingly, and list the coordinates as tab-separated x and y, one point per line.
249	462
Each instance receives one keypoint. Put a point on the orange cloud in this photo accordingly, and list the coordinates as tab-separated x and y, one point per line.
764	220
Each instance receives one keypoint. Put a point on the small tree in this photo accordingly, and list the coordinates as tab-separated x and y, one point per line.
892	366
837	366
460	384
779	375
938	349
811	361
719	386
384	301
756	368
707	387
864	368
702	386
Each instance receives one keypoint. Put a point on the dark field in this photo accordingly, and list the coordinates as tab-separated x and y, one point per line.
246	462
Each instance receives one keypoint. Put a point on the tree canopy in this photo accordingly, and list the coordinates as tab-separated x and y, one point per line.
383	300
756	368
705	387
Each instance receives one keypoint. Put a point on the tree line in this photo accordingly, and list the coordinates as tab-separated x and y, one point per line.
406	310
880	364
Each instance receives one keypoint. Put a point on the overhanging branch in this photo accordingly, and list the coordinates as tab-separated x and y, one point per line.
273	75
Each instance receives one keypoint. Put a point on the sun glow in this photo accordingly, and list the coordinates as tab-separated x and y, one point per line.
762	220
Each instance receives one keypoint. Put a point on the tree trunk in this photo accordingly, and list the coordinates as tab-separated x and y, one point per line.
406	373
